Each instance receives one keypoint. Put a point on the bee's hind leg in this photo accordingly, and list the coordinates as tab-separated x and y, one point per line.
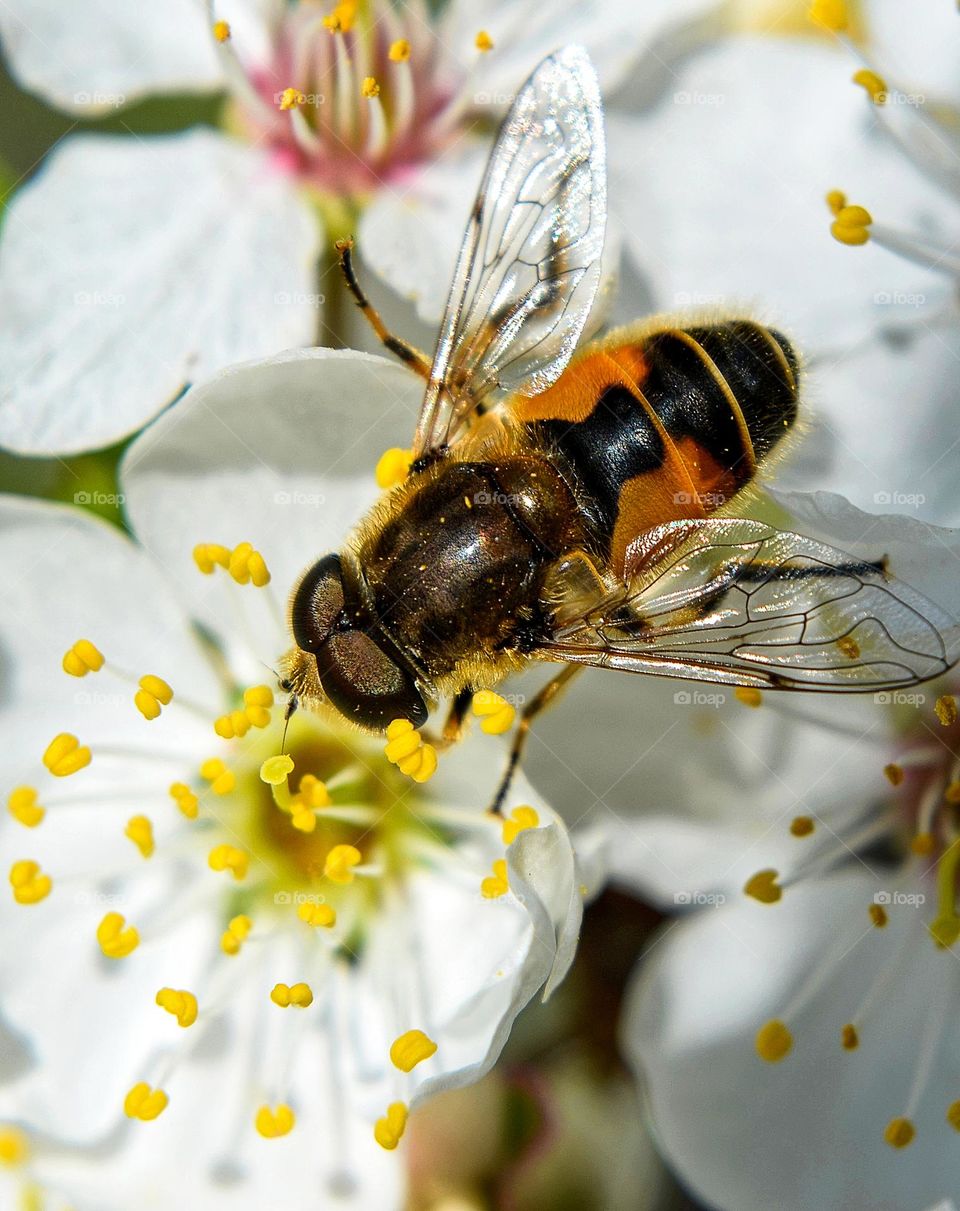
418	362
547	695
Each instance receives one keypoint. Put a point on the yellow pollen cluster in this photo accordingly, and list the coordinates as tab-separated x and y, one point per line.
774	1041
222	780
317	915
878	916
231	858
389	1130
953	1115
145	1103
292	98
23	805
235	934
84	657
14	1146
30	885
411	1049
951	793
340	862
154	694
369	88
899	1132
185	799
221	31
851	225
116	938
312	795
399	51
140	831
243	563
65	755
180	1003
893	773
849	1038
393	467
521	818
496	714
923	844
802	826
483	42
286	995
255	712
496	885
763	886
945	708
873	85
341	20
271	1124
406	749
830	15
748	696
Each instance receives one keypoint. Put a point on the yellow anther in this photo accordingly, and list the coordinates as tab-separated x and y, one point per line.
945	708
286	995
246	565
271	1124
303	819
153	694
773	1041
369	88
849	1039
210	555
291	98
483	42
923	844
317	915
946	928
393	467
421	766
23	806
312	792
221	31
257	702
411	1049
14	1146
899	1132
830	15
802	826
275	770
389	1130
875	86
406	749
340	863
521	818
220	778
953	1115
145	1103
185	799
849	647
140	831
763	886
399	51
497	714
229	857
30	885
401	743
836	200
878	916
235	934
893	773
951	792
117	939
65	755
748	696
851	225
82	658
179	1002
496	885
258	570
236	723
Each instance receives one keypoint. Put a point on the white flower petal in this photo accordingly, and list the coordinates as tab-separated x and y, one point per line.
720	191
689	1029
918	56
131	267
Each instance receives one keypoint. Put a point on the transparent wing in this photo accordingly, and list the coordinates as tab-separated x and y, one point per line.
741	603
529	264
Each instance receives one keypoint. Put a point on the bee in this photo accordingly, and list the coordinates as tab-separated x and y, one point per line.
577	507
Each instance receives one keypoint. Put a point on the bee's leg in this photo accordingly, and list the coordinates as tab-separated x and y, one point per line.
418	362
534	707
453	727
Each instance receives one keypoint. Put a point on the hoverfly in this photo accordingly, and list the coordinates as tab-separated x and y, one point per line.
574	508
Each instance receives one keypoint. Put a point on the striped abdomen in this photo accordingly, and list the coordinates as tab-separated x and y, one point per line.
669	426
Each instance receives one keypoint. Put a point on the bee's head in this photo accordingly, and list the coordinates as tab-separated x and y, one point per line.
341	657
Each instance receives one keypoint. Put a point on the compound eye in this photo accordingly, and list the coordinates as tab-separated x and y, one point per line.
365	685
317	602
